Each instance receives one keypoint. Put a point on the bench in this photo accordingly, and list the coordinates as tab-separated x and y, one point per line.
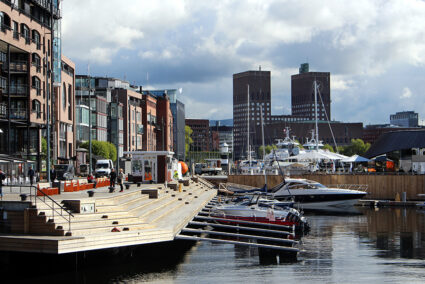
46	189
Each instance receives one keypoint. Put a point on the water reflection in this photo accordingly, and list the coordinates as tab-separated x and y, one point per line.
385	245
396	232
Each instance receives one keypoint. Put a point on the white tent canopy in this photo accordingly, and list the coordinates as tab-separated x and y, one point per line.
355	159
315	156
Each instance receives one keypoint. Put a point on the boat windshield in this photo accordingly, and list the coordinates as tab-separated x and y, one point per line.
307	185
315	184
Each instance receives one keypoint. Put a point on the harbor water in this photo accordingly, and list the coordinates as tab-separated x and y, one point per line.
385	245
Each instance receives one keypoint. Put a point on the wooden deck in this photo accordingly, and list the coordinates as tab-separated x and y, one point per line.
140	215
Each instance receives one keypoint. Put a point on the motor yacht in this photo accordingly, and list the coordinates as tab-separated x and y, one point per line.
313	195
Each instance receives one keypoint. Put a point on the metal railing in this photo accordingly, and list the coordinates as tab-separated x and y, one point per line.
33	193
360	187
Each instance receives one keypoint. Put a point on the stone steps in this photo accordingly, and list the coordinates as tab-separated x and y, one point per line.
127	220
125	206
109	229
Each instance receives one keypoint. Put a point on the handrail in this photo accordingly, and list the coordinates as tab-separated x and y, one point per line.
43	199
360	187
37	190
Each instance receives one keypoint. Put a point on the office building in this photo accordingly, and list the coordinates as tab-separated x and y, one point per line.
246	108
200	134
405	119
303	97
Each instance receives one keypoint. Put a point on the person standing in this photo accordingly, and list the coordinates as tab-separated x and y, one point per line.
2	178
52	174
112	178
31	174
121	179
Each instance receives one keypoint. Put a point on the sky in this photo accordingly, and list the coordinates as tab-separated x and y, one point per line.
374	49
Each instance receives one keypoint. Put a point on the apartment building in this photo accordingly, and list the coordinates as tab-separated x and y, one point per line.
178	112
132	109
36	82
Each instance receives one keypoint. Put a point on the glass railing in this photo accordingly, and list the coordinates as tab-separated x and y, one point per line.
16	66
20	89
15	113
18	113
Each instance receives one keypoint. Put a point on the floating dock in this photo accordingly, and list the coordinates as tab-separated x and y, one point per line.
140	215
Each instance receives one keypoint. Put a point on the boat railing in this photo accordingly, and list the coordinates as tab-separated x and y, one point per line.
359	187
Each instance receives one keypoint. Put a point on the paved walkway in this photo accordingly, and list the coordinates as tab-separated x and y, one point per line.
12	193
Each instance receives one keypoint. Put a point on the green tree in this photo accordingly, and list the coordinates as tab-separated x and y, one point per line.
187	138
357	146
112	151
44	146
328	147
268	149
103	149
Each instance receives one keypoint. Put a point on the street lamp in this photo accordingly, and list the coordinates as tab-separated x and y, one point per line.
90	113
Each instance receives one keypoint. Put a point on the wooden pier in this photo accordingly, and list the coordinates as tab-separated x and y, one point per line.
140	215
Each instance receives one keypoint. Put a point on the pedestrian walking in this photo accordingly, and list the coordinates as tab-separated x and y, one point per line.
31	174
2	178
121	179
112	178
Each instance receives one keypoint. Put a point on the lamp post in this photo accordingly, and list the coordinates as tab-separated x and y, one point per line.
48	114
90	113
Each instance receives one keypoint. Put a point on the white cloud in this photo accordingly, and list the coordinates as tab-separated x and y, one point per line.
406	94
199	44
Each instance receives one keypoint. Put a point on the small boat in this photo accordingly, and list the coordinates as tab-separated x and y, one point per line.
261	211
313	195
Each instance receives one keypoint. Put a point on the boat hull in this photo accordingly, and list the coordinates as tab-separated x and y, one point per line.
316	201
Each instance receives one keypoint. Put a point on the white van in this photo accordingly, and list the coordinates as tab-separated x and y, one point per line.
103	167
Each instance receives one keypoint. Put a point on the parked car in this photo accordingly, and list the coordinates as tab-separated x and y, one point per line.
64	171
103	168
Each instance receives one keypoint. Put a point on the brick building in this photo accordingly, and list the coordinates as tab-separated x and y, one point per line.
200	135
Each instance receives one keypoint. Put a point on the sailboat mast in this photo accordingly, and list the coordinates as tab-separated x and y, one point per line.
264	148
247	130
315	114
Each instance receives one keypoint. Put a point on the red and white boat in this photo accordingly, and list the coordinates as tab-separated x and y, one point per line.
261	213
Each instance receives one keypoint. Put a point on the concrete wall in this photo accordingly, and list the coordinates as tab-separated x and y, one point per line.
379	186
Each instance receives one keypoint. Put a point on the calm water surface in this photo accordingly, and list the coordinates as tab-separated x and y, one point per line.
383	246
375	246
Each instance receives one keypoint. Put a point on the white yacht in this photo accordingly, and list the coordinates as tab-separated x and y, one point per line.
315	196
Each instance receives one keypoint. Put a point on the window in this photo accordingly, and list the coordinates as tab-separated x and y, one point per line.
36	39
36	84
36	61
70	96
64	96
36	108
4	22
25	33
15	30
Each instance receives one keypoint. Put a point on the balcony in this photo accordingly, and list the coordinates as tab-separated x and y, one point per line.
16	66
15	113
17	90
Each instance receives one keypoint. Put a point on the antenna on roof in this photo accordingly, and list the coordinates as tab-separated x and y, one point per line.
259	68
